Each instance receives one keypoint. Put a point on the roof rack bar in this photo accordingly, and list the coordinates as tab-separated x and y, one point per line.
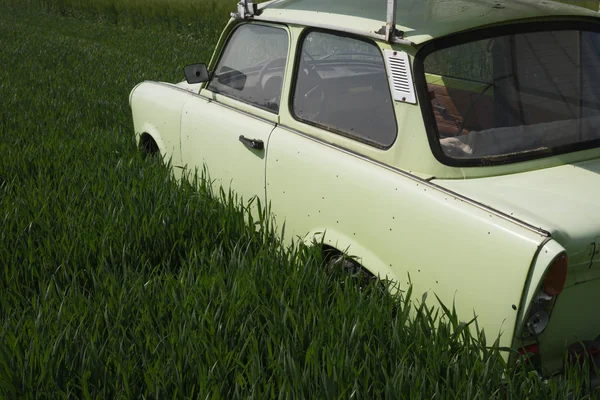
374	35
390	26
245	9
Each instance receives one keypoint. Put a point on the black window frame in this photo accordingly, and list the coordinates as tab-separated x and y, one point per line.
516	27
297	61
273	25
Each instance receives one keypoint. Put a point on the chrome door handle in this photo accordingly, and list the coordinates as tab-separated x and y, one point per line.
254	144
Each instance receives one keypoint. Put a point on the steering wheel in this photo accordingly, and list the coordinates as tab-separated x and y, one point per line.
311	101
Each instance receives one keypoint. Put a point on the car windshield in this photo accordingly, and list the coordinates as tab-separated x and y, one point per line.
516	94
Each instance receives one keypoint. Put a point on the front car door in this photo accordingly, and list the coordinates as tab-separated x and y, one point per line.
226	129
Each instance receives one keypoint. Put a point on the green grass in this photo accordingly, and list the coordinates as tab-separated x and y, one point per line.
153	14
591	4
117	282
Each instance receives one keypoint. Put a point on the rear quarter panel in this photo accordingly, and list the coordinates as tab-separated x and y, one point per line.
403	228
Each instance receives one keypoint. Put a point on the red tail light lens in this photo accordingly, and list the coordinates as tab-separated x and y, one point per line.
529	350
530	354
556	277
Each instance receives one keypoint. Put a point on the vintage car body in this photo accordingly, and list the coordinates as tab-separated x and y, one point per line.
513	238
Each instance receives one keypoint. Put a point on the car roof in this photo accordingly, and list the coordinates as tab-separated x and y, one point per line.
420	20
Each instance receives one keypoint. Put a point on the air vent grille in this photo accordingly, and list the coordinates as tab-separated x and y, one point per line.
401	82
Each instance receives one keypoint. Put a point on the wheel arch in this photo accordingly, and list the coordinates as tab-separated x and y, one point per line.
147	144
336	242
146	136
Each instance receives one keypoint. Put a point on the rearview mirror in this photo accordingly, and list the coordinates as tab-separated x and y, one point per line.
196	73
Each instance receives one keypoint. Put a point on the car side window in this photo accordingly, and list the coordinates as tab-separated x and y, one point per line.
252	66
342	86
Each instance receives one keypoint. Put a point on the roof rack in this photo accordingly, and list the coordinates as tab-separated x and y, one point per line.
247	9
390	25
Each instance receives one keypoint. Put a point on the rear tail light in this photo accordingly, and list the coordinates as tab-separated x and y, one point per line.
556	277
529	350
538	321
552	286
530	354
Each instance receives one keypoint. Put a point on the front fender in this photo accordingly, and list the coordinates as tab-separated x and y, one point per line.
156	109
151	130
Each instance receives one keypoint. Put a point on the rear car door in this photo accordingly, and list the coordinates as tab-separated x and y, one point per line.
226	129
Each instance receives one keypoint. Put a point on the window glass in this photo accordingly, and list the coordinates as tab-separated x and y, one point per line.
252	66
342	85
515	94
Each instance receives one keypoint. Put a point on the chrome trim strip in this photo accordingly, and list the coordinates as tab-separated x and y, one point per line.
427	183
311	24
210	100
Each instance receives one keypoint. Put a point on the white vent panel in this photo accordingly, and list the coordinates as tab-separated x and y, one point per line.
401	81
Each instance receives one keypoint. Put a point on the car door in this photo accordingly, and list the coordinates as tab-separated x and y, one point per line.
226	129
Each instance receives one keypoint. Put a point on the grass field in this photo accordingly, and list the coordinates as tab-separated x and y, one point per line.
117	282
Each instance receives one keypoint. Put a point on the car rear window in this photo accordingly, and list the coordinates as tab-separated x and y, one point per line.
515	94
342	86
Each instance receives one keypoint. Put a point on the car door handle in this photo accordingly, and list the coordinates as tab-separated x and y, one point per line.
254	144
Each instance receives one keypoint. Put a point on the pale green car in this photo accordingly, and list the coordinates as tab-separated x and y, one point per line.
460	150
